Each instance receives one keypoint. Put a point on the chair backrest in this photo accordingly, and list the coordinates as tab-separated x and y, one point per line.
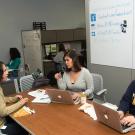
26	82
99	92
23	70
10	86
98	82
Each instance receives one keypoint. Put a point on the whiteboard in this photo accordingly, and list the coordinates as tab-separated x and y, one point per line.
111	32
134	41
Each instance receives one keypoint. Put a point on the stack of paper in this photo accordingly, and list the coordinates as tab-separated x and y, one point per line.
40	96
89	109
24	111
37	93
41	100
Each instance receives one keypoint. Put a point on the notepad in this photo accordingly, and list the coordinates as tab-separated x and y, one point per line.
24	111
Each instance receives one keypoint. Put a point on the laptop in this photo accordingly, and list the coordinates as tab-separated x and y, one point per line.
110	118
60	96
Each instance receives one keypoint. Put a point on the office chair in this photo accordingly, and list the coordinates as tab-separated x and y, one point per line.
23	70
10	86
99	92
26	82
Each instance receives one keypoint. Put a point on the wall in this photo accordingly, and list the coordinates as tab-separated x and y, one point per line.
19	14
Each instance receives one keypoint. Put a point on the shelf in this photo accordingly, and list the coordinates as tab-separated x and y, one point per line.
48	36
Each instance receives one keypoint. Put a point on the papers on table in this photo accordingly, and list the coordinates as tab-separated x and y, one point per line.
41	100
89	109
37	93
24	111
40	96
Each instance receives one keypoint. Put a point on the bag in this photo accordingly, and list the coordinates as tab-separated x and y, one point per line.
39	82
50	76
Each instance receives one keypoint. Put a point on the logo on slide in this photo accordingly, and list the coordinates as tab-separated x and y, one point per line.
124	26
93	17
93	34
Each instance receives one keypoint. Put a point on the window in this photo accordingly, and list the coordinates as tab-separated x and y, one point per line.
51	48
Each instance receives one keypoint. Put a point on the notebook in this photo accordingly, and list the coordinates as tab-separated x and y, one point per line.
110	118
60	96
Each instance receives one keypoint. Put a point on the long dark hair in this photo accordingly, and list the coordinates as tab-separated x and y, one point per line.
1	70
75	58
14	53
62	48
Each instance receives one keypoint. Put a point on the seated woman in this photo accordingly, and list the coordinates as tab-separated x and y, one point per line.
127	105
15	61
17	102
76	78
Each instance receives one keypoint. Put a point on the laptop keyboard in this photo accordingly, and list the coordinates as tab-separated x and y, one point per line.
125	126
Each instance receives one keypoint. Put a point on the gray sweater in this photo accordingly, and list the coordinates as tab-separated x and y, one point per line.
83	83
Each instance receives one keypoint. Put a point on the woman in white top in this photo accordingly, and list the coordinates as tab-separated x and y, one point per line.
76	78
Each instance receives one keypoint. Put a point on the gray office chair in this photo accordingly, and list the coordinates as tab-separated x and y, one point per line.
10	86
24	70
99	92
26	82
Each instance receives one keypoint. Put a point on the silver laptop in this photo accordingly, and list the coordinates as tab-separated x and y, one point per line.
60	96
110	118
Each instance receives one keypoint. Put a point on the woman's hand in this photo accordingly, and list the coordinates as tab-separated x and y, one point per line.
128	120
121	114
24	101
19	96
76	97
58	76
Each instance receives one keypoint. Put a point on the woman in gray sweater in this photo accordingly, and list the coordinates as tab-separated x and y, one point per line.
75	78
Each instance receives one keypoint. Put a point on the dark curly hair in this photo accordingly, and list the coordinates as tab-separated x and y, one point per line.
75	58
1	70
62	48
14	53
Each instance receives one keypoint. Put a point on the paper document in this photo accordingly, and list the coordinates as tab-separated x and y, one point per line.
42	100
40	96
89	109
37	93
3	127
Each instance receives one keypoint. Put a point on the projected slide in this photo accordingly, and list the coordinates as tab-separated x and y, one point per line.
111	32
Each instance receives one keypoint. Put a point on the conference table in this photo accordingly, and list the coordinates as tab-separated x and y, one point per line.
60	119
